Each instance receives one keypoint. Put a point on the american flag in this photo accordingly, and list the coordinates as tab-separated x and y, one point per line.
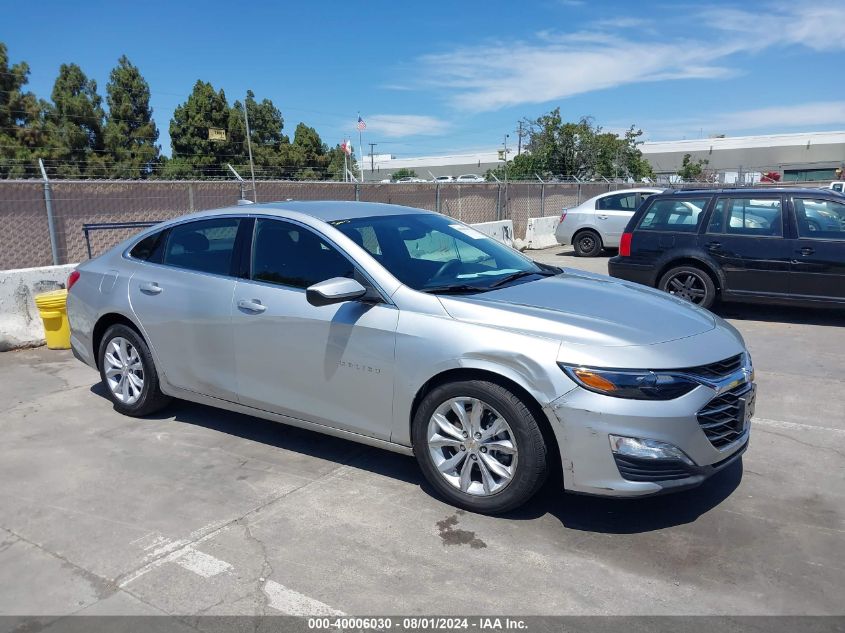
361	124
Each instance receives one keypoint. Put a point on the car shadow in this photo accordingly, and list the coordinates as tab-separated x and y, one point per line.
635	515
576	512
780	314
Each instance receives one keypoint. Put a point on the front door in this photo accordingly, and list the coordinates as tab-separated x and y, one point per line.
612	215
818	264
745	236
185	306
332	364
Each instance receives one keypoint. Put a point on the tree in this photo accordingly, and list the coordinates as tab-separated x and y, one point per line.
75	124
309	154
403	173
130	134
265	126
692	170
205	109
22	134
580	149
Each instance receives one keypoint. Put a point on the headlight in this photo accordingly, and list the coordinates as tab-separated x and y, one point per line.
628	383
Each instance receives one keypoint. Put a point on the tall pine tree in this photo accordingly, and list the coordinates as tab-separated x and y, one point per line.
22	132
194	153
75	125
130	134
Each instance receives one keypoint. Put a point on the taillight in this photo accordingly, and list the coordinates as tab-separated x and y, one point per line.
72	279
563	215
625	244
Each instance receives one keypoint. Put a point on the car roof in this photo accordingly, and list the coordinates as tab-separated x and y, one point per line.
748	190
325	210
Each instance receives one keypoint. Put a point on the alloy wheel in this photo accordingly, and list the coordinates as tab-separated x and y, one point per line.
124	370
472	446
688	286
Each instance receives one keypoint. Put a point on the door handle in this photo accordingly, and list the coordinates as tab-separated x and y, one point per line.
806	251
251	305
602	217
714	245
150	288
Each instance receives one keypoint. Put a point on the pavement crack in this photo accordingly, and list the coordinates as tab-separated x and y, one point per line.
802	442
102	586
262	599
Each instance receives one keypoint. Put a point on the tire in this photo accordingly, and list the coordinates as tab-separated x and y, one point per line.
690	283
134	391
492	493
587	244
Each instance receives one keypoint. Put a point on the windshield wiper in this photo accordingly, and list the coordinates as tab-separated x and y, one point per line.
520	275
454	289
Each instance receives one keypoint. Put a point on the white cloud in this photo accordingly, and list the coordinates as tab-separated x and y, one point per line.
556	66
398	125
796	117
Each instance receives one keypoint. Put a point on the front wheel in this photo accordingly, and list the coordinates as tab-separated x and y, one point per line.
689	283
479	446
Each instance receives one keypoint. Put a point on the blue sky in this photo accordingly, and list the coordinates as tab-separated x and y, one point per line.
453	76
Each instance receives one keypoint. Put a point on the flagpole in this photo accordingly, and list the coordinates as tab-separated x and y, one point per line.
360	146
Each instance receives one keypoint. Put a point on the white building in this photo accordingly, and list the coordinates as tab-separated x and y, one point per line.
801	156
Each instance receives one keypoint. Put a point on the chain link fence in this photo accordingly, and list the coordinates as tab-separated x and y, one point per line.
25	235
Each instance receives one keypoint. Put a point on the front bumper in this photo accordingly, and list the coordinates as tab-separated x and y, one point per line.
586	420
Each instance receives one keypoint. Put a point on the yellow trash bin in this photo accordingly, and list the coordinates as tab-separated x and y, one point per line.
52	306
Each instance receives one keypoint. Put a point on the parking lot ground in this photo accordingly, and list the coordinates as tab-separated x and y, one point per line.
199	511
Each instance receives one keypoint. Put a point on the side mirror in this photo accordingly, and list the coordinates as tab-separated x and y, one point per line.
335	290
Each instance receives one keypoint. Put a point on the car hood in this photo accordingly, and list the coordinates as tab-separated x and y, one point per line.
584	309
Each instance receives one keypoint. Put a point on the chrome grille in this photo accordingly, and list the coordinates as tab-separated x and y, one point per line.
717	370
723	418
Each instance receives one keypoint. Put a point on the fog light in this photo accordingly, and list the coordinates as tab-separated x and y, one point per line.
647	449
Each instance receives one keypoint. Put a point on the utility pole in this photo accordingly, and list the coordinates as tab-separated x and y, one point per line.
505	205
249	147
372	166
519	142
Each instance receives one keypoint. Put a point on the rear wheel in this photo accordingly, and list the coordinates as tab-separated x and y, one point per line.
587	244
128	372
479	446
689	283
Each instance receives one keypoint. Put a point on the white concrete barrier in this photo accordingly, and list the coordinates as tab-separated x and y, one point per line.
540	232
20	325
501	230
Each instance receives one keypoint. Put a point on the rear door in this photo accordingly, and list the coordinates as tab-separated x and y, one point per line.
184	305
613	213
745	236
818	260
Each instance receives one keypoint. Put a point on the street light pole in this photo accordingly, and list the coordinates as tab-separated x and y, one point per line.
249	147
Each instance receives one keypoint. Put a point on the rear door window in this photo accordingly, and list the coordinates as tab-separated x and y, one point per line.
150	248
204	246
618	202
674	214
747	216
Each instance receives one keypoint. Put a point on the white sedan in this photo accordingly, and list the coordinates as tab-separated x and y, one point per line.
600	221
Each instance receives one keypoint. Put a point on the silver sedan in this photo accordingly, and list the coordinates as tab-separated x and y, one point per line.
411	331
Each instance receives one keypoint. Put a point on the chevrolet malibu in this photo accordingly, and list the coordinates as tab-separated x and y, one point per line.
408	330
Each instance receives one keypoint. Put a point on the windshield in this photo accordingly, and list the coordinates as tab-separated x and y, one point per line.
432	252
